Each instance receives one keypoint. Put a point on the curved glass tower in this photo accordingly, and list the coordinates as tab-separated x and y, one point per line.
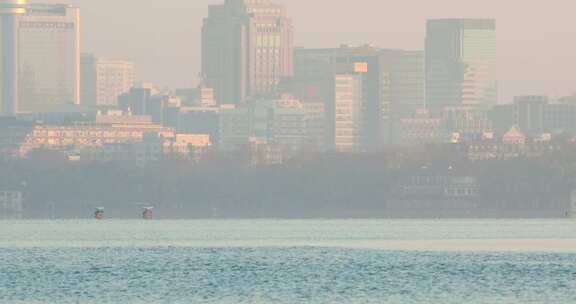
9	9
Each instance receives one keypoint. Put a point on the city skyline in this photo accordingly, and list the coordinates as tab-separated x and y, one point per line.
521	40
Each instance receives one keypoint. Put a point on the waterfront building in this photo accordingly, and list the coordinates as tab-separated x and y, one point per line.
460	63
104	80
21	138
110	137
11	205
419	129
263	153
152	148
246	49
469	122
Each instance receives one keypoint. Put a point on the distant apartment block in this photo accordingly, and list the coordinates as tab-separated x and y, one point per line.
104	80
288	124
246	49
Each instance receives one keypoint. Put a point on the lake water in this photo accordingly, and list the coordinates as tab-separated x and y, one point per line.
307	261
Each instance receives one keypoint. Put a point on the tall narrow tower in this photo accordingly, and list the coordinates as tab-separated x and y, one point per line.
9	11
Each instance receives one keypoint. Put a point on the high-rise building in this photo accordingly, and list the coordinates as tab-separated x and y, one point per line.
48	57
313	72
348	123
392	83
460	63
404	71
246	49
10	10
104	80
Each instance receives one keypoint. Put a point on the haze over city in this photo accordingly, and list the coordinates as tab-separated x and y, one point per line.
536	52
287	151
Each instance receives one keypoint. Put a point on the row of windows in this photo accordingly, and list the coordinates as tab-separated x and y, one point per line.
60	25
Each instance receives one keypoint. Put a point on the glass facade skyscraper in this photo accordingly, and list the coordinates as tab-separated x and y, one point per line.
461	63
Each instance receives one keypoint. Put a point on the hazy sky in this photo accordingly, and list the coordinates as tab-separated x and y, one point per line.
537	39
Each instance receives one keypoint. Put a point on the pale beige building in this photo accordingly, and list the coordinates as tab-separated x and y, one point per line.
48	57
104	80
348	120
64	138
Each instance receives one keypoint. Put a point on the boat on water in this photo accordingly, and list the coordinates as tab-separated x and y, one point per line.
99	213
147	214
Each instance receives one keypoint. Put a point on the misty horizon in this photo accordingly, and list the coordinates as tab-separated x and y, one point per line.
164	41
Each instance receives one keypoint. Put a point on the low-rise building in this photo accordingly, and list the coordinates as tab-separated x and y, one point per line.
66	138
514	144
189	147
263	153
235	127
152	148
417	130
11	204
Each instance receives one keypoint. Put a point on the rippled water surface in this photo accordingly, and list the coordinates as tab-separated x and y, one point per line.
311	261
